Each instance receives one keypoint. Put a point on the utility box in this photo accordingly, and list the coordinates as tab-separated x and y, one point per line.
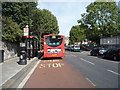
23	58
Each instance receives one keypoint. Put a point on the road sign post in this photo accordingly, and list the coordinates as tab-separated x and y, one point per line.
26	31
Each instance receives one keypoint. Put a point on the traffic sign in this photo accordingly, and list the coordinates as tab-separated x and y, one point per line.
26	31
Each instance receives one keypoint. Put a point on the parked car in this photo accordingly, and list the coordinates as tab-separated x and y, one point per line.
102	50
112	53
97	51
75	48
67	48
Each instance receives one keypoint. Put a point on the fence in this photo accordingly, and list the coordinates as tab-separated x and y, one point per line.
110	41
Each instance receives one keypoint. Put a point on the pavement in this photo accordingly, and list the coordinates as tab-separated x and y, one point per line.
10	71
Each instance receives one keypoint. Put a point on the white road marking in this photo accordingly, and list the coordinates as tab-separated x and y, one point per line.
95	57
1	63
28	76
82	51
106	60
73	55
110	61
91	82
113	72
87	61
51	65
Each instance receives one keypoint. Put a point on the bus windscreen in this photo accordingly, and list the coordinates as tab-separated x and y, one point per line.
53	41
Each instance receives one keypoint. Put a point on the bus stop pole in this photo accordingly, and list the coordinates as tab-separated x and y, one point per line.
29	29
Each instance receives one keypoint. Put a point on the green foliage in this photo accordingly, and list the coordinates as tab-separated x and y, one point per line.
45	23
11	30
101	19
21	13
15	18
18	11
76	34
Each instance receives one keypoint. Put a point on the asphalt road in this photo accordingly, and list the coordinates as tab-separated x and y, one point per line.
101	72
75	70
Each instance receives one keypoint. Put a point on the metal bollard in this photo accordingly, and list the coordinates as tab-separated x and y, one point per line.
23	58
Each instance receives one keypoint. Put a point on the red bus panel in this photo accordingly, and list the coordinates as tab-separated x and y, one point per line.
54	46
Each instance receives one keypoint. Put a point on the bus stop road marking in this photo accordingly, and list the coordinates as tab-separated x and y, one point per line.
51	65
91	82
53	60
63	77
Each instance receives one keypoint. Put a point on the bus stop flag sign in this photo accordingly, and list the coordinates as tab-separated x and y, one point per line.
26	31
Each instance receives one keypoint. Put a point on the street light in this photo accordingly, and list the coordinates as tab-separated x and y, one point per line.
29	29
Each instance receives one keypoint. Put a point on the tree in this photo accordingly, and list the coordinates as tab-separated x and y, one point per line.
77	34
18	11
101	19
11	30
40	21
45	23
15	18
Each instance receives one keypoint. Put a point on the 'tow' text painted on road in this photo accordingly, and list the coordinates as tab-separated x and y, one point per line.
51	65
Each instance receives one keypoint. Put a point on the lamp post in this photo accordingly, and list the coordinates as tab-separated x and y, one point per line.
29	29
117	39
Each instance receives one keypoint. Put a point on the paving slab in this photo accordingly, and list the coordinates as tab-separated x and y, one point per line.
10	68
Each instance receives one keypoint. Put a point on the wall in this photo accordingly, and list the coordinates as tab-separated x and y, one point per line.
11	50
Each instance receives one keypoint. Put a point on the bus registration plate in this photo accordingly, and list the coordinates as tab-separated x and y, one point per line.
54	54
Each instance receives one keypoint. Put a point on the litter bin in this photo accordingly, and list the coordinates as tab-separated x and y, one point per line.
1	56
23	57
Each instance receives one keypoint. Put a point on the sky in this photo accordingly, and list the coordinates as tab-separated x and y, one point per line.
67	12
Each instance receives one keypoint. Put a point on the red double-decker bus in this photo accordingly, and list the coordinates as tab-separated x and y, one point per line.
53	46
